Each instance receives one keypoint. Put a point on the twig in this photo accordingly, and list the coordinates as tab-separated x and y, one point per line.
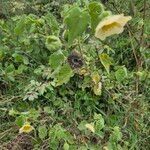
3	101
137	63
81	51
134	51
142	30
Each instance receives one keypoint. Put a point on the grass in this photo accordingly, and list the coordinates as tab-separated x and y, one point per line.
59	115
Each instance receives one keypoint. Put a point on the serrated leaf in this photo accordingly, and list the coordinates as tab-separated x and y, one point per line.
13	112
21	68
20	26
56	59
53	43
31	96
53	144
10	69
34	114
42	132
121	74
99	122
116	135
106	61
64	75
76	21
47	109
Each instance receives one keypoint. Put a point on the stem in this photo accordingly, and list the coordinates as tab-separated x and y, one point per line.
137	63
142	31
134	51
79	44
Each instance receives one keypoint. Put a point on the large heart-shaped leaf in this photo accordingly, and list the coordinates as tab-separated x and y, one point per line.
95	10
77	22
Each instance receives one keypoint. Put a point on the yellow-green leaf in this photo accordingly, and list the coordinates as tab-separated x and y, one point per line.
90	126
106	61
97	89
95	77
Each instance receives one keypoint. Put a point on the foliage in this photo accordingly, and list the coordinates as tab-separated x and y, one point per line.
96	99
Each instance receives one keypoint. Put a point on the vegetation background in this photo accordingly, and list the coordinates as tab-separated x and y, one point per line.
39	86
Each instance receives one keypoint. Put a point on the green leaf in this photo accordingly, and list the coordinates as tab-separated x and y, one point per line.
53	43
2	54
20	26
53	144
52	22
76	21
106	61
59	133
31	96
66	146
99	122
34	114
11	77
21	58
42	132
56	59
18	57
20	121
83	148
21	68
42	89
48	110
121	74
81	126
10	68
110	146
116	135
64	75
95	10
97	89
13	112
104	15
25	60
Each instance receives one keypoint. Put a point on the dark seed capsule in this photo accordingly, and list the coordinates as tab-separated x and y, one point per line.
75	60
